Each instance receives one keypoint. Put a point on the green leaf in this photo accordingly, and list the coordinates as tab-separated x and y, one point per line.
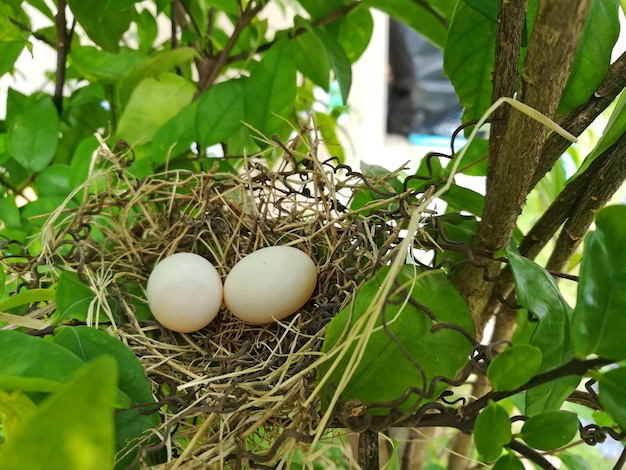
164	61
593	55
312	59
147	29
474	161
469	64
8	31
386	362
339	61
220	112
34	135
460	198
176	136
612	394
72	429
27	297
413	15
54	180
538	293
131	425
73	298
508	462
551	430
271	89
353	32
492	431
458	230
10	214
104	22
95	64
10	50
514	367
29	384
15	408
153	102
599	321
487	8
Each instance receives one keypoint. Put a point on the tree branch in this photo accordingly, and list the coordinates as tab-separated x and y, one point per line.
34	34
550	55
577	120
213	66
531	454
62	47
368	450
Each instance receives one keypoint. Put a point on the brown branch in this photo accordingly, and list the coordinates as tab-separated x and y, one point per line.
332	16
608	181
577	120
531	454
368	450
62	47
213	66
550	55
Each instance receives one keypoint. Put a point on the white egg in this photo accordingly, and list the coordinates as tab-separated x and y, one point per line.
270	284
184	292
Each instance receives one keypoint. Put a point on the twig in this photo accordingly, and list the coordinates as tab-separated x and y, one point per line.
368	450
531	454
62	47
34	34
621	461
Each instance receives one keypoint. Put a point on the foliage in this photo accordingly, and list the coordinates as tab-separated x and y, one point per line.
222	81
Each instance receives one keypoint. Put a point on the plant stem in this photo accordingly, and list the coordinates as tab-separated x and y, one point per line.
62	47
531	454
368	450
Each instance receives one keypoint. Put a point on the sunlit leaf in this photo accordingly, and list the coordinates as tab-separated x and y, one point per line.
514	367
551	430
492	431
508	462
599	321
34	135
612	394
27	297
76	425
220	112
392	361
104	22
73	298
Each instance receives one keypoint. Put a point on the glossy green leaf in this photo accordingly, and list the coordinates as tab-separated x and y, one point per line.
27	297
339	61
487	8
469	64
91	343
593	55
165	61
353	32
96	64
474	161
464	199
508	462
29	384
270	91
75	424
220	111
413	15
34	135
54	180
73	298
492	431
153	102
147	29
8	31
551	430
454	229
176	136
10	213
385	361
514	367
599	322
312	59
12	46
612	394
538	293
103	22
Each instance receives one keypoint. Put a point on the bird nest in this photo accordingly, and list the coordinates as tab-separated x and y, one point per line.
232	394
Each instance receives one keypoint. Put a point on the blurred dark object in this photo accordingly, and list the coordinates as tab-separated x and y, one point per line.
421	100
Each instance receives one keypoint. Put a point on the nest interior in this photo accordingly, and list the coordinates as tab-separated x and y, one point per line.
231	394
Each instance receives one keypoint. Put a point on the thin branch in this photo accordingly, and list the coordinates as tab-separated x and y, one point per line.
214	66
531	454
574	367
607	182
34	34
577	120
621	461
62	47
332	16
368	450
426	6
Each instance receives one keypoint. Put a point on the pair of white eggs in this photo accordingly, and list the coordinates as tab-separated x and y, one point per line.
185	291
